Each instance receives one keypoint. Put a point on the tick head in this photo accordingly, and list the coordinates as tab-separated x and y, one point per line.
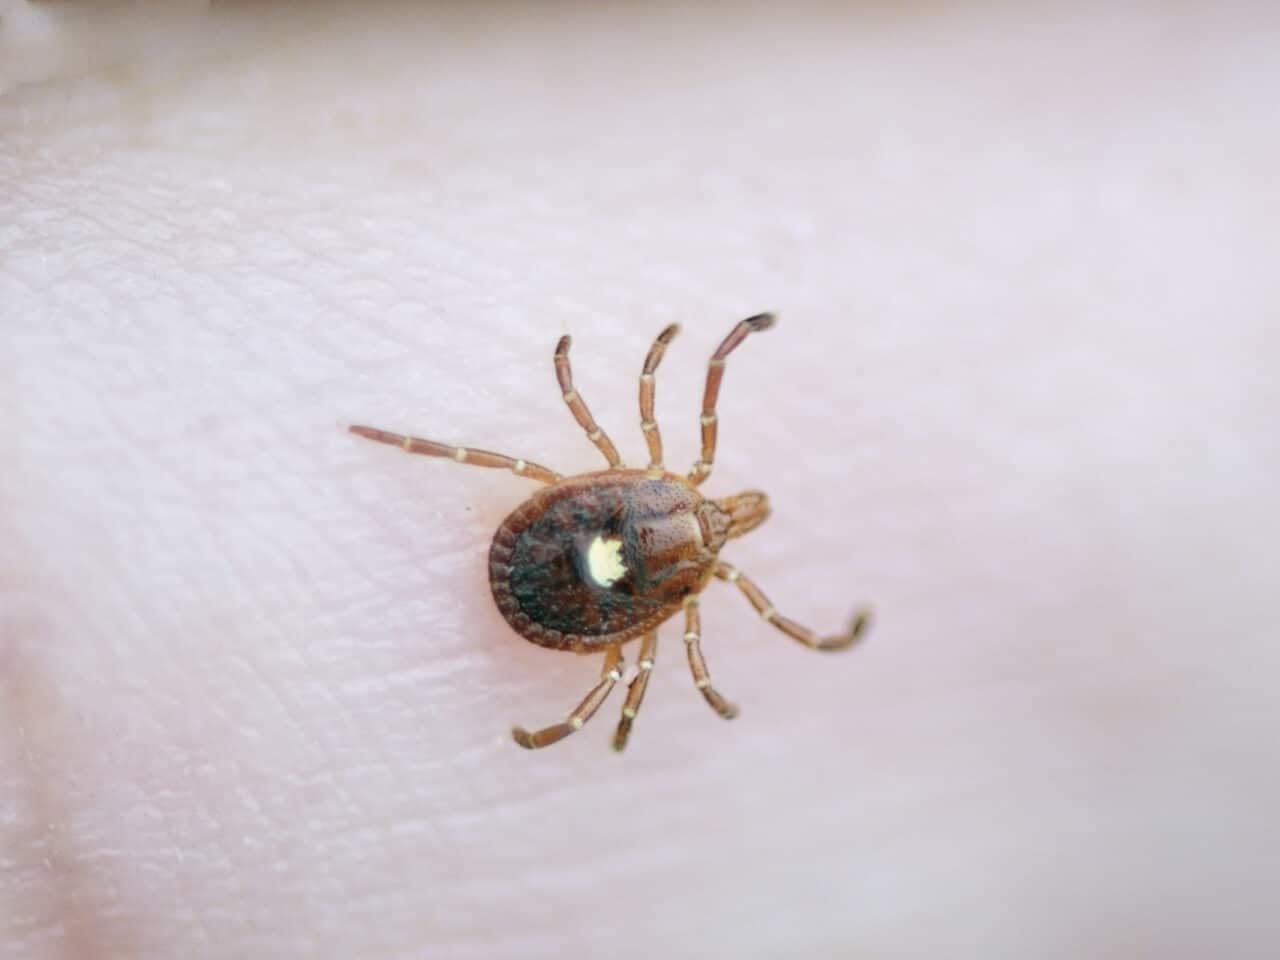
744	512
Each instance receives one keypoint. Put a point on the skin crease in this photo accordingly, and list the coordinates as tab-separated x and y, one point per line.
255	697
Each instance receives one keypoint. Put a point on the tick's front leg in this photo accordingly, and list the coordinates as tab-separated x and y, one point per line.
797	632
711	393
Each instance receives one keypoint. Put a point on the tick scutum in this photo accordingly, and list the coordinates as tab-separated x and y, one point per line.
598	559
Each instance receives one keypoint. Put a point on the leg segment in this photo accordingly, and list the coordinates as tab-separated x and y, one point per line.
715	371
698	665
582	712
792	629
478	458
635	692
579	409
650	426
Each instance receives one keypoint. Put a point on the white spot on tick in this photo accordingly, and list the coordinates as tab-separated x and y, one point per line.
604	561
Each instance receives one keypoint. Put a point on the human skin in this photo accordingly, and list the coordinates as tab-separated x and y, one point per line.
255	698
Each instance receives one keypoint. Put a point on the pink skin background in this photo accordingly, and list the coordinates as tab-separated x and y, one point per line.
254	694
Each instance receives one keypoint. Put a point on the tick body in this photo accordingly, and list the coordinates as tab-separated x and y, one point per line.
601	558
593	561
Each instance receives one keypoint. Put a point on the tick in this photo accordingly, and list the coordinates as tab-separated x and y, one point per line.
595	560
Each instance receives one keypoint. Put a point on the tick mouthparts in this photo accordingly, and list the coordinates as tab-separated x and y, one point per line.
746	511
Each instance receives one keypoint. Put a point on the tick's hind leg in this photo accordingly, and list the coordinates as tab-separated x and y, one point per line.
701	677
635	692
579	408
792	629
478	458
711	393
582	713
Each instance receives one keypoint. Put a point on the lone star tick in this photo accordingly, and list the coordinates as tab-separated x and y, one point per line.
592	561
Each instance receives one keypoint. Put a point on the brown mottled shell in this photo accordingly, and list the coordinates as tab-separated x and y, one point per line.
662	534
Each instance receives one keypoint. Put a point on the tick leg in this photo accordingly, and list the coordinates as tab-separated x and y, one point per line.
582	713
795	631
478	458
715	371
701	678
635	691
579	409
652	436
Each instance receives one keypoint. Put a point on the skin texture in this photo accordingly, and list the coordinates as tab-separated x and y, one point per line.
254	693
